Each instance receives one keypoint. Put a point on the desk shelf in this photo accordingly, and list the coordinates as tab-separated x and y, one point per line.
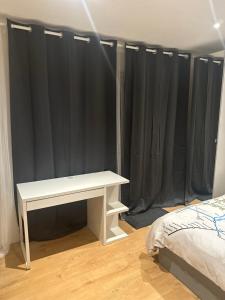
115	234
115	207
113	231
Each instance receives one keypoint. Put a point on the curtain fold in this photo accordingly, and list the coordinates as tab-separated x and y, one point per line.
205	107
154	131
63	108
8	222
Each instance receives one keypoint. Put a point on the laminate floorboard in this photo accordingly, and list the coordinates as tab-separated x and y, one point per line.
78	267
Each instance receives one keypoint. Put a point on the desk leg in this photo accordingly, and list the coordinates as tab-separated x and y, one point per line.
27	246
20	213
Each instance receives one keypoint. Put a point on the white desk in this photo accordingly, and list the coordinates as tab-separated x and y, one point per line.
101	189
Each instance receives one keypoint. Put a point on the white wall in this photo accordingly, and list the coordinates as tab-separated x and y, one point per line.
172	23
219	174
8	221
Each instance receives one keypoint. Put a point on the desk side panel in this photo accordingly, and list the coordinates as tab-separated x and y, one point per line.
96	211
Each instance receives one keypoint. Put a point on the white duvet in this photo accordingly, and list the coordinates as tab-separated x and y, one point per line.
196	233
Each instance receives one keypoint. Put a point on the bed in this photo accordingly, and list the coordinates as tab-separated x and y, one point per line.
191	244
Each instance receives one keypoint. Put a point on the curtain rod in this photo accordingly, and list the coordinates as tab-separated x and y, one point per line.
132	47
214	61
106	43
151	50
154	51
183	55
81	38
59	34
27	28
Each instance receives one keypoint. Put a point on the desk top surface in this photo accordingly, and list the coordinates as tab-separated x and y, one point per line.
36	190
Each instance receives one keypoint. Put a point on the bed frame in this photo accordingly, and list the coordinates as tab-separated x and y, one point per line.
204	288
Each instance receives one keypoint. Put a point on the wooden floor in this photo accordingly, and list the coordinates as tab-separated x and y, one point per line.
169	209
78	267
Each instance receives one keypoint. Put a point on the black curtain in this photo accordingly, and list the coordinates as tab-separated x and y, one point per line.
63	115
207	81
154	131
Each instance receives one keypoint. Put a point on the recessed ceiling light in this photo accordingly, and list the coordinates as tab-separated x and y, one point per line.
217	25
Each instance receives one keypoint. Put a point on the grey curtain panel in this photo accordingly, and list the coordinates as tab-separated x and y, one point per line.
63	114
205	107
154	128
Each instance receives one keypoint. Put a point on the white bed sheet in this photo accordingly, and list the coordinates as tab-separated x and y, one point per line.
196	233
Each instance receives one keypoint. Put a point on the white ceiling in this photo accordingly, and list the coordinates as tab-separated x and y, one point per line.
171	23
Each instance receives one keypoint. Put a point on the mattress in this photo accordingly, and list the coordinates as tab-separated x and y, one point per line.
196	233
